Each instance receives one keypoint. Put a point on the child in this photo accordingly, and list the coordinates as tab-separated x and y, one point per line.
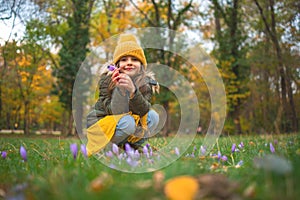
122	113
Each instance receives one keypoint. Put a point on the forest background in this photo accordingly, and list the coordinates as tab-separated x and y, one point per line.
255	45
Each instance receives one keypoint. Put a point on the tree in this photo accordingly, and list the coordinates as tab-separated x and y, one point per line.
287	105
172	16
231	57
72	54
27	83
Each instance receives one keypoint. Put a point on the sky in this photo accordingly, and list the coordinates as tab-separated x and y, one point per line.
6	27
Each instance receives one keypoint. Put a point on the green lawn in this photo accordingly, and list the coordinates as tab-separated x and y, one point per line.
51	172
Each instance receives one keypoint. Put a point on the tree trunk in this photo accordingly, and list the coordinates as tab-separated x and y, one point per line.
1	118
70	124
167	126
26	118
293	114
289	122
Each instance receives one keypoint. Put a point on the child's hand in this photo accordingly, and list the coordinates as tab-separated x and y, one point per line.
123	81
115	76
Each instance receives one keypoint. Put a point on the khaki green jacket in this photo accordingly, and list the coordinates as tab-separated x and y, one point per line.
115	103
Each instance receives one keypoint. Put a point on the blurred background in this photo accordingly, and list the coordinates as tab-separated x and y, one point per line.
255	45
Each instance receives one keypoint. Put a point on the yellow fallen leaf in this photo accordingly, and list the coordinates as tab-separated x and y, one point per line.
181	188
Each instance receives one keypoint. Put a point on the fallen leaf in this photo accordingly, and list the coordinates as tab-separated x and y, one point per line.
144	184
181	188
2	193
202	157
214	166
101	182
158	178
250	191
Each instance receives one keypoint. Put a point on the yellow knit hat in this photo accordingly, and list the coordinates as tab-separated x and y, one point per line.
128	46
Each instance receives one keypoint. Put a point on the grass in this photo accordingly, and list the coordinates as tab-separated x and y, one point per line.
51	172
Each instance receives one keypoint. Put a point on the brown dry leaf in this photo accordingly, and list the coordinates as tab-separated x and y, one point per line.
99	183
158	178
181	188
202	157
250	191
214	166
2	193
217	186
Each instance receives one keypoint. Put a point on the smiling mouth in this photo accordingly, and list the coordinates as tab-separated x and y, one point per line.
128	69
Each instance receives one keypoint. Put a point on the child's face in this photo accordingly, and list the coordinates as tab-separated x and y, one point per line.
130	65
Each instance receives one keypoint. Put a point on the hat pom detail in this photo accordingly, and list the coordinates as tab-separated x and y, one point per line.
127	38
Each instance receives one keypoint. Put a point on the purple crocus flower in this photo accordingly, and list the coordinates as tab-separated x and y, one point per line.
111	67
23	153
272	149
121	156
177	151
241	145
148	145
219	155
136	154
74	150
240	163
145	151
224	158
83	150
129	150
193	154
132	162
115	149
233	148
109	154
203	150
150	151
3	154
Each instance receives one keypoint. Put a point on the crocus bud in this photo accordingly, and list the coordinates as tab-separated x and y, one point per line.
83	150
111	67
115	149
23	153
74	150
272	149
3	154
233	148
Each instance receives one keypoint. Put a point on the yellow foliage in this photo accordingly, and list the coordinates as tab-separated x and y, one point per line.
181	188
23	61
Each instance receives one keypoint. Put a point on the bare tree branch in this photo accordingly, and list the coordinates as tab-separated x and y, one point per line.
180	13
157	13
4	8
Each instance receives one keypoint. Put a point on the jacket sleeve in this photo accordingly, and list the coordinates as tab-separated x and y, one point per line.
140	103
114	103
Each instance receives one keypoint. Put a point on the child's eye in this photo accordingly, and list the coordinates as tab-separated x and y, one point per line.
134	59
123	59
